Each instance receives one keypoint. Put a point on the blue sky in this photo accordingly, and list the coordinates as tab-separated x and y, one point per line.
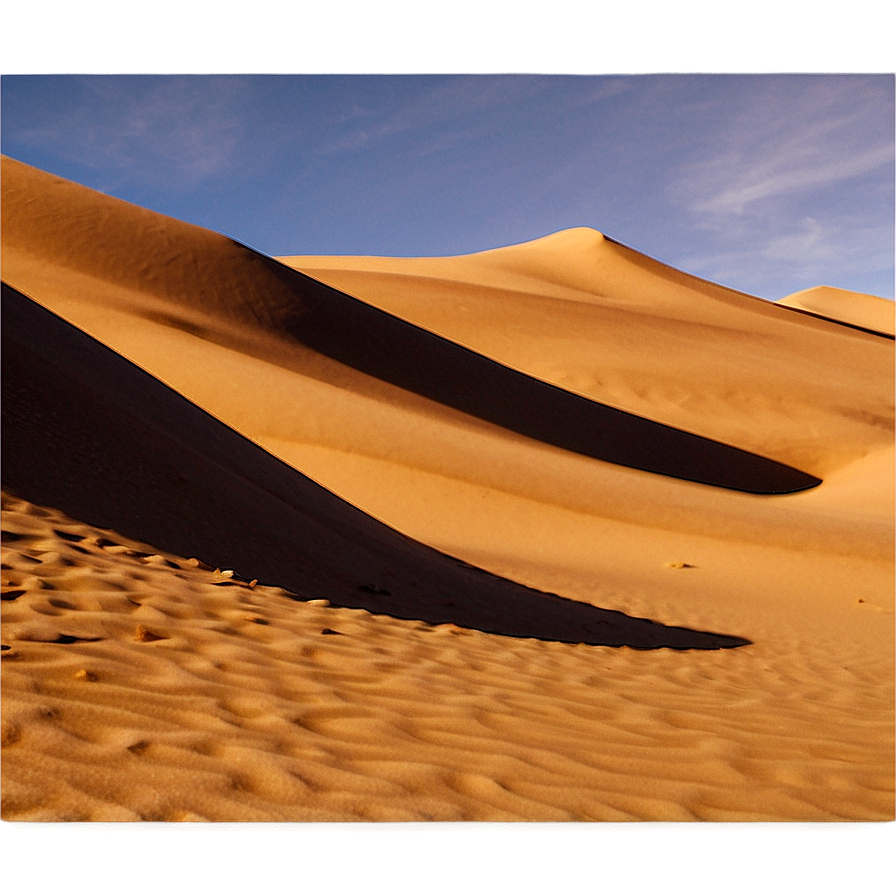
766	183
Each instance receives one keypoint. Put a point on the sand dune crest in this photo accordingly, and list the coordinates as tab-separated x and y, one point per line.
855	309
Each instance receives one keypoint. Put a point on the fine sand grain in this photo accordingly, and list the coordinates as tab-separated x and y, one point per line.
524	464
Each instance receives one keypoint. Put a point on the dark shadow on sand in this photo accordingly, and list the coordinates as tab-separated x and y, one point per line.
392	350
91	434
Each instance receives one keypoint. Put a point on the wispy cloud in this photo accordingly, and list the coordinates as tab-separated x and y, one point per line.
789	136
781	189
801	257
780	175
447	107
167	128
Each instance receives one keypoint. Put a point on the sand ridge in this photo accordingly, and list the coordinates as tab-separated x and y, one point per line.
318	414
638	335
796	724
856	309
317	325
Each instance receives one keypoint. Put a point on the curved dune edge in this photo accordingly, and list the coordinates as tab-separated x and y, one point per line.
89	433
854	309
46	214
583	312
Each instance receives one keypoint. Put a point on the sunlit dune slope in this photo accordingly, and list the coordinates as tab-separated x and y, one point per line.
327	384
854	308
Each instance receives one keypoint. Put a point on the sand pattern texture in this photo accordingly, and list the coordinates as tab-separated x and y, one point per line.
549	532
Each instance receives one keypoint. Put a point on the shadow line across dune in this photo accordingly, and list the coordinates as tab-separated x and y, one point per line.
204	283
91	434
395	351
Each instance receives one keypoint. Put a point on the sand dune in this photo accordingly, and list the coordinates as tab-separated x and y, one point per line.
588	314
561	414
127	451
314	324
853	308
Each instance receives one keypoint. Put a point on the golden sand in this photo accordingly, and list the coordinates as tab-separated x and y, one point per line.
195	631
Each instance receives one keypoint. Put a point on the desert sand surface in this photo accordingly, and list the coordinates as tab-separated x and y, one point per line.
548	532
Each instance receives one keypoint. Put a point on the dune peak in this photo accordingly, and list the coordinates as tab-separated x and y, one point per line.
575	240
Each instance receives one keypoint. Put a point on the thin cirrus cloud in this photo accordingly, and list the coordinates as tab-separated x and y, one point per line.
780	176
167	132
788	133
795	188
437	113
178	129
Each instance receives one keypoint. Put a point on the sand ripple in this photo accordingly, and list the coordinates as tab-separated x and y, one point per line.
243	709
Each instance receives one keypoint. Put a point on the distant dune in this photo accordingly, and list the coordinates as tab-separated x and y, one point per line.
855	308
268	525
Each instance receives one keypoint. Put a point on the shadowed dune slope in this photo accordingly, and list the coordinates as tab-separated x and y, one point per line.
200	281
89	433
